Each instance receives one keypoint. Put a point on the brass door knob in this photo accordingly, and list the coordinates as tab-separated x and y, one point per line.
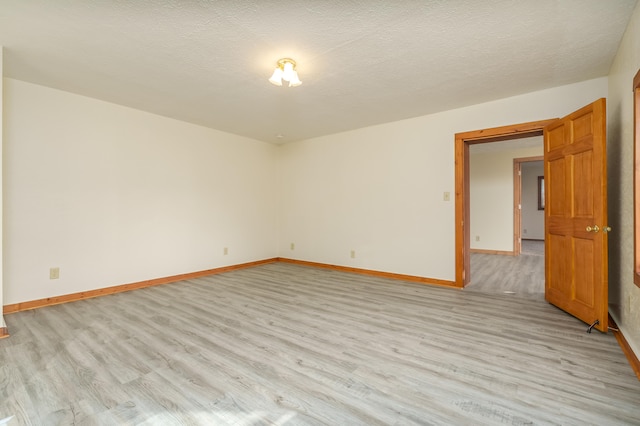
594	228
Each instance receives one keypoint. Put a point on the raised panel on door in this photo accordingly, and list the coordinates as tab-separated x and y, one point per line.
583	179
576	260
557	248
584	279
555	186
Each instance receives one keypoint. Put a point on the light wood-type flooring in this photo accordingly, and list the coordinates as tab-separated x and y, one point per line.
282	344
521	276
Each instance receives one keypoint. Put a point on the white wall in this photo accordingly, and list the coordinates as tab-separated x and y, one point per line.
532	219
113	195
491	195
379	190
624	294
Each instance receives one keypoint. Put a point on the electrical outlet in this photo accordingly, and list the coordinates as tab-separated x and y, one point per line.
54	273
477	237
353	254
524	231
225	251
293	246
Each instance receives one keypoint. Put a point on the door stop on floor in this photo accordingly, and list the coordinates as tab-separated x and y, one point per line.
596	322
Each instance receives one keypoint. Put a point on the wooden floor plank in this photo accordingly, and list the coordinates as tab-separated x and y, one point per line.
288	344
521	275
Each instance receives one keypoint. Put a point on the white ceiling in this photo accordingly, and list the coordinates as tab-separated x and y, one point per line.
362	62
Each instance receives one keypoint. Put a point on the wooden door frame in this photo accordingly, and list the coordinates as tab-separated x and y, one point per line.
462	215
517	200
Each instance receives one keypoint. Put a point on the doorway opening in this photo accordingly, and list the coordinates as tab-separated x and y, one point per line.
528	204
507	227
463	141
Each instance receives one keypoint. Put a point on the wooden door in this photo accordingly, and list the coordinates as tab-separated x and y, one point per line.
576	263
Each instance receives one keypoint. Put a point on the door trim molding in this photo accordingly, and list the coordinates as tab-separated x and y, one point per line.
517	200
462	142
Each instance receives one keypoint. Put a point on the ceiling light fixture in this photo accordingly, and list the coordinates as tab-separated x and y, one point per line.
285	70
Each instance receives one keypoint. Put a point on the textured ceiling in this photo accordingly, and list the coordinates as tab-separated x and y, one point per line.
362	62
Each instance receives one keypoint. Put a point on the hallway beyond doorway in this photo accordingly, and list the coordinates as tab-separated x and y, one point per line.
521	276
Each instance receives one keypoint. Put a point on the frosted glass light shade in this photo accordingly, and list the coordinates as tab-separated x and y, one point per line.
285	70
294	81
287	74
276	78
